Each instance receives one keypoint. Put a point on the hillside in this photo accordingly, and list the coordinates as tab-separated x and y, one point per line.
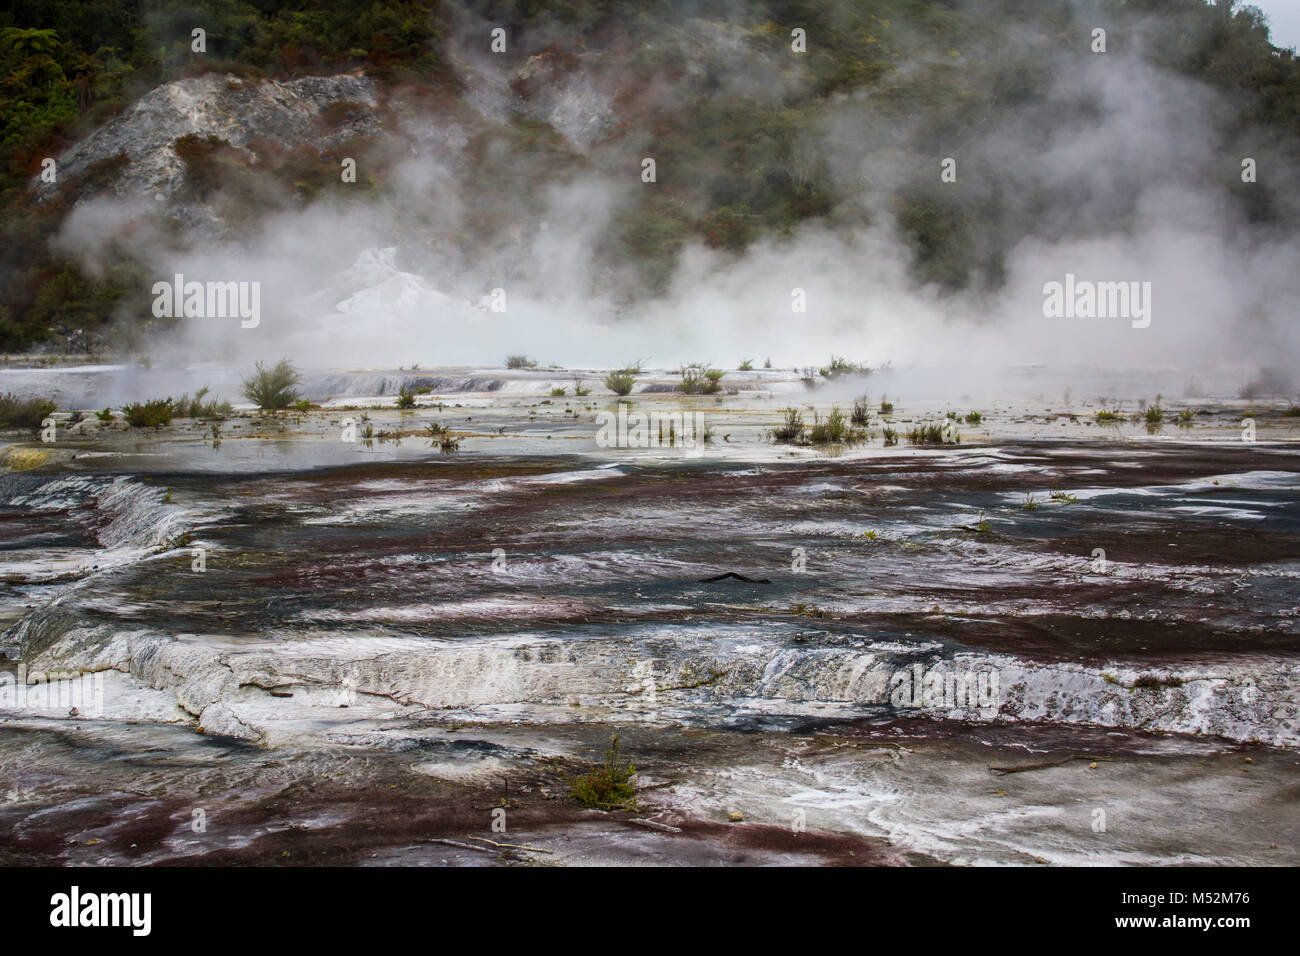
523	167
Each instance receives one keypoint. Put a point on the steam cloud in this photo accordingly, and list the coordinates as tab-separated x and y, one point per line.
1135	165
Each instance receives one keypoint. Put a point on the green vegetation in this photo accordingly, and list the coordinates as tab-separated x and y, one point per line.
886	407
699	379
861	414
620	383
835	430
151	414
18	412
890	436
790	432
840	367
1109	416
196	407
520	361
105	416
932	433
559	392
405	397
273	388
1155	416
746	365
974	418
608	786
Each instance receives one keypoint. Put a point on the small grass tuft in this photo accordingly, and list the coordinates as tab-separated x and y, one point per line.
791	430
861	411
608	786
840	367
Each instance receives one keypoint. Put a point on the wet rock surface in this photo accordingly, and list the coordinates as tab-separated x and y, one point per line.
879	657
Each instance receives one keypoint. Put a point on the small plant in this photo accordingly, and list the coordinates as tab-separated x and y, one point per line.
105	416
974	418
1030	503
841	366
405	397
151	414
891	437
302	405
1109	416
808	375
1063	498
699	379
18	412
619	382
932	433
559	392
447	443
608	786
520	361
886	407
579	387
767	363
1186	417
861	411
196	407
791	430
834	431
1292	410
273	388
746	365
1154	415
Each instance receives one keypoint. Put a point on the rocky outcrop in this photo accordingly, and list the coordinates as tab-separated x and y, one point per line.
223	106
